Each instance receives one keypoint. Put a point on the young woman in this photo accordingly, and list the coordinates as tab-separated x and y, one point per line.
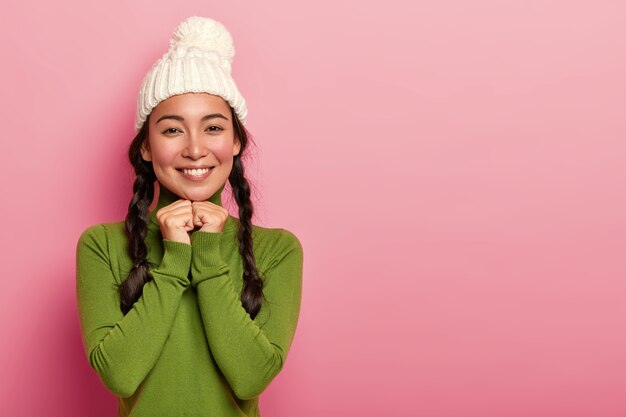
186	310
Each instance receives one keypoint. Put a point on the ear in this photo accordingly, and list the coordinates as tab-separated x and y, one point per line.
145	151
236	147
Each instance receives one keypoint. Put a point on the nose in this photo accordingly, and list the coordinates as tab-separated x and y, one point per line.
195	147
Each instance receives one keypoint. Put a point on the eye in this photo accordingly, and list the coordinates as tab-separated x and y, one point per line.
217	129
168	130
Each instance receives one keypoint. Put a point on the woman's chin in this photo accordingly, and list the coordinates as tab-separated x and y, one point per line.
197	195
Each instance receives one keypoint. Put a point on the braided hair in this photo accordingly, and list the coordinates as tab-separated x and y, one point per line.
138	218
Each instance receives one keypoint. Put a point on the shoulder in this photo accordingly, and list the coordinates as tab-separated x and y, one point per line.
276	236
274	245
102	235
101	230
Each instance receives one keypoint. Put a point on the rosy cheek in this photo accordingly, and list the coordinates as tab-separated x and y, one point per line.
168	154
223	150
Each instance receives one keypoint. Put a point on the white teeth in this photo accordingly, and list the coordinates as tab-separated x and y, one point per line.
196	172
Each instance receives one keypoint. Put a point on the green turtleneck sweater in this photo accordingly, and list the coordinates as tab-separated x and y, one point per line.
187	347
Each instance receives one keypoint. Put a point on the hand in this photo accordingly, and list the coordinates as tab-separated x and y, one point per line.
208	216
175	221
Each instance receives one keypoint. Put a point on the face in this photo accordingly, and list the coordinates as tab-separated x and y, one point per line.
192	130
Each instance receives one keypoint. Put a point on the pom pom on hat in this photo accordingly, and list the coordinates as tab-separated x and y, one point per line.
206	34
198	60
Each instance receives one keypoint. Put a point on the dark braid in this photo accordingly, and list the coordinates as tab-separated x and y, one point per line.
137	221
138	217
252	291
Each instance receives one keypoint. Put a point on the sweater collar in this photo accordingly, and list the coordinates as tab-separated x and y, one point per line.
167	197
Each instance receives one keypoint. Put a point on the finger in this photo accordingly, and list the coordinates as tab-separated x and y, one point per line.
207	206
189	225
176	205
199	216
203	213
205	203
179	216
209	217
182	203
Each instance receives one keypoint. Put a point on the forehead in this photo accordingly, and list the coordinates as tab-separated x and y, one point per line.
192	105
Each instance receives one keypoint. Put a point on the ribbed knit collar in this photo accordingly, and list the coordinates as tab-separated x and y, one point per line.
167	197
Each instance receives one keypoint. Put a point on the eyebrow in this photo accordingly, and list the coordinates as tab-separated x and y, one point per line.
181	119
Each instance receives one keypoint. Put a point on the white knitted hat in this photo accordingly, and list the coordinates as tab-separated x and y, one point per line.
198	60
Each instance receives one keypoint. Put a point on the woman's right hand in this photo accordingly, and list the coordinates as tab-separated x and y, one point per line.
176	220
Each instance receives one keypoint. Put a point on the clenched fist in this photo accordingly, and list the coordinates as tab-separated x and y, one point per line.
181	217
175	221
209	217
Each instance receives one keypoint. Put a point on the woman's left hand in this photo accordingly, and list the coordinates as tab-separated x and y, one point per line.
208	216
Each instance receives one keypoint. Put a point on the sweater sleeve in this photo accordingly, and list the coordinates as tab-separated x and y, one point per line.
248	353
123	349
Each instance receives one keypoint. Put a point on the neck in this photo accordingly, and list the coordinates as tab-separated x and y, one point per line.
167	197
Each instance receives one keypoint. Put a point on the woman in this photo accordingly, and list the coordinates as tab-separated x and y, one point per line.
186	310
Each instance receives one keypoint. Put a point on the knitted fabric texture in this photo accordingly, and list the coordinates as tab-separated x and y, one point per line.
199	60
187	347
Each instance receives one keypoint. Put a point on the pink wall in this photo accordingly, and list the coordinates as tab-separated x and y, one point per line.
454	169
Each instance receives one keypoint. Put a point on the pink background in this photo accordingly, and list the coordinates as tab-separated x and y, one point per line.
454	169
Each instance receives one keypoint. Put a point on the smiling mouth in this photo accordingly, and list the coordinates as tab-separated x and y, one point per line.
195	172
